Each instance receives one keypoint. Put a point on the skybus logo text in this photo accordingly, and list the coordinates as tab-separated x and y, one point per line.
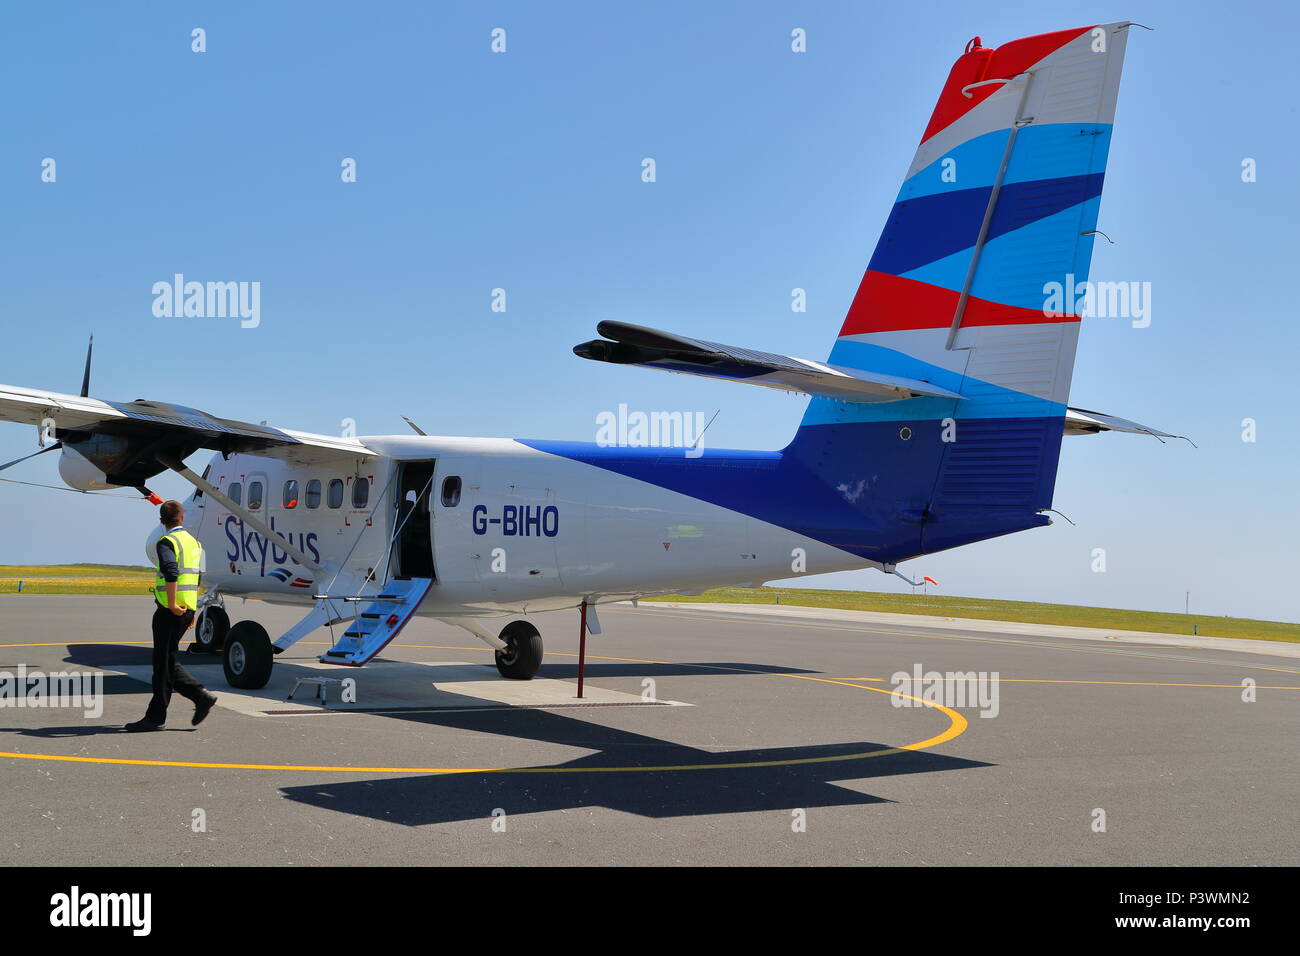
250	547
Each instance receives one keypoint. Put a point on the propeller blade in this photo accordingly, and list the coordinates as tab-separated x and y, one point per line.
16	461
85	379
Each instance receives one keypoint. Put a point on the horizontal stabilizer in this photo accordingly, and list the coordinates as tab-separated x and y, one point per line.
1080	421
626	344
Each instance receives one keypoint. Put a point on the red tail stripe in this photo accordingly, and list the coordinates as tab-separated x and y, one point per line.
887	303
983	63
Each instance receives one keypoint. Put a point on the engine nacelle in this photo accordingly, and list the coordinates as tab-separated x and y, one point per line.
79	473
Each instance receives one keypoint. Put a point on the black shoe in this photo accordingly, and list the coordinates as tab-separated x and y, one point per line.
143	726
201	709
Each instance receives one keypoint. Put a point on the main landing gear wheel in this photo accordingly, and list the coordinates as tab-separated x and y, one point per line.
210	630
523	653
248	656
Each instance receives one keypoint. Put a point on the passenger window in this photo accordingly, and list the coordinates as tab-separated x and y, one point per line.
313	493
451	491
254	495
290	497
236	492
336	493
360	492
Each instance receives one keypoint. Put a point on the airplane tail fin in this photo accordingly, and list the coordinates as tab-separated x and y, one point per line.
1000	202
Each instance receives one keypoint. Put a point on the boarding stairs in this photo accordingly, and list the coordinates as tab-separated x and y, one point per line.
378	621
371	620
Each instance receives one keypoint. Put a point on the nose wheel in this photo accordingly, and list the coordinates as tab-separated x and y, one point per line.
210	630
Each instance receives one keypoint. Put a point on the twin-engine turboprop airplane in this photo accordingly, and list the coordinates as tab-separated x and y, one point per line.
935	422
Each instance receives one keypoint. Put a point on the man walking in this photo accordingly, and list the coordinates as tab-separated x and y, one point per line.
176	593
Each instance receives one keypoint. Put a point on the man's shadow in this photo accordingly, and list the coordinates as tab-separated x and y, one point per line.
83	730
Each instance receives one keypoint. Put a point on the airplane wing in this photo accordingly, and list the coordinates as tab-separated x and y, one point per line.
124	439
626	344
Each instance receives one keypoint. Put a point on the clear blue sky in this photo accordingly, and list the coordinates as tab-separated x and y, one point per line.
522	171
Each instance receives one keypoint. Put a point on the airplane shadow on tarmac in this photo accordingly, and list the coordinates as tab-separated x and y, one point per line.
423	799
444	798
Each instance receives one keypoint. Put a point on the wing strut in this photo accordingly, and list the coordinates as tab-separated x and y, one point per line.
249	519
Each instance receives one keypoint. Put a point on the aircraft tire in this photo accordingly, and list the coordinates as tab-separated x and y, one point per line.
523	654
210	630
247	657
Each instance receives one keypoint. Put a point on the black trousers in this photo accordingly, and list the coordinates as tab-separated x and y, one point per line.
168	675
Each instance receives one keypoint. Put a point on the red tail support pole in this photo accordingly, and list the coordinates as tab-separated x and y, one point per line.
582	646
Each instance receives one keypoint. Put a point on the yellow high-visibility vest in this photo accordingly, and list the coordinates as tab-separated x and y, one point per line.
189	562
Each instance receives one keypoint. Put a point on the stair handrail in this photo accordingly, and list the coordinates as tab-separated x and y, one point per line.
388	549
383	495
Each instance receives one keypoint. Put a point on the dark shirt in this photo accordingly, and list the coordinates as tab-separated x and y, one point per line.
171	571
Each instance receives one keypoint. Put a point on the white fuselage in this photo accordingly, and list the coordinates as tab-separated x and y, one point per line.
529	531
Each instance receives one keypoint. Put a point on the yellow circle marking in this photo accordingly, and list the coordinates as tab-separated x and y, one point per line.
956	727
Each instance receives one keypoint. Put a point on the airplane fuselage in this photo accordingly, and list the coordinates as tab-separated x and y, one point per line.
506	529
